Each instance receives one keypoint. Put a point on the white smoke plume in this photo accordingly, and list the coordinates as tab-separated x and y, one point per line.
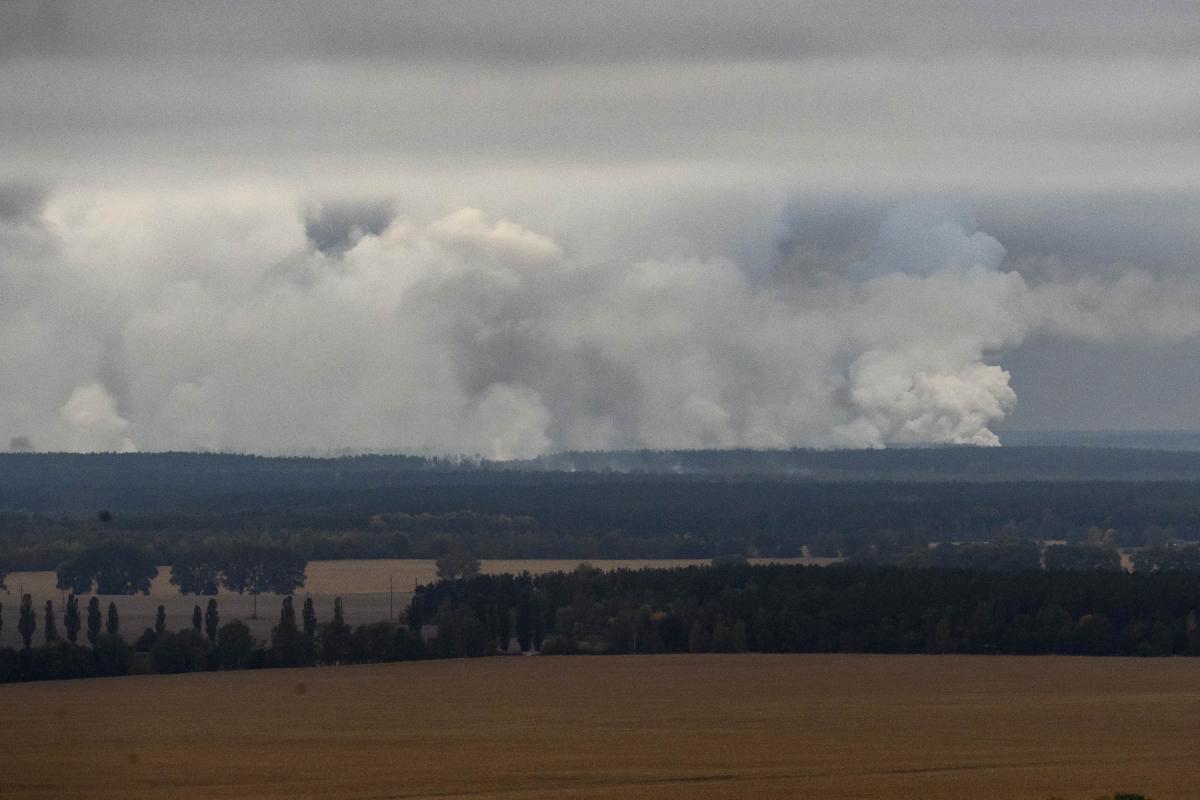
213	321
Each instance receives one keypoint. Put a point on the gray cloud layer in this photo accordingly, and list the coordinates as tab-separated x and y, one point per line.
525	31
249	225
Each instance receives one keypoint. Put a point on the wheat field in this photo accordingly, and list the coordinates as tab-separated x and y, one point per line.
688	726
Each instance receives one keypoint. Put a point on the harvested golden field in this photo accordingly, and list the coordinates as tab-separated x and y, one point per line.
614	727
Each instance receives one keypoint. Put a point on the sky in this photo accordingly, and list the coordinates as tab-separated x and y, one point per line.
509	228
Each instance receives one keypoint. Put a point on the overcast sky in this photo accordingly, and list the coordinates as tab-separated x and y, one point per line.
512	227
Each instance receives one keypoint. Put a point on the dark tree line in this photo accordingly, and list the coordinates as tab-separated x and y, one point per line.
779	608
205	645
609	516
122	567
734	608
148	482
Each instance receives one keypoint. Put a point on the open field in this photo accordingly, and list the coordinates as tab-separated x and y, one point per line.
608	727
363	585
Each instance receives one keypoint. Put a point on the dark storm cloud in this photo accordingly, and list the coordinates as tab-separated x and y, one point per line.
1097	231
335	226
22	202
1043	236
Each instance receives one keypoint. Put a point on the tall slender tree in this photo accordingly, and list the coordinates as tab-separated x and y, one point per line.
287	613
27	624
160	620
212	619
339	614
94	619
112	625
538	622
525	622
504	626
335	636
50	628
71	620
309	615
197	618
287	645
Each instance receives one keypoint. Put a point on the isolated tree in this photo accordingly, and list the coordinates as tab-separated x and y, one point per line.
212	619
160	620
71	620
197	618
112	567
50	629
112	625
196	571
309	615
93	620
457	562
27	624
259	568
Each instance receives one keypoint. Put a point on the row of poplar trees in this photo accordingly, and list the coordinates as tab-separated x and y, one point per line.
96	621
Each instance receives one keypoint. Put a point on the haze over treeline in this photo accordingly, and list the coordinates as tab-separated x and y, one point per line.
878	505
78	482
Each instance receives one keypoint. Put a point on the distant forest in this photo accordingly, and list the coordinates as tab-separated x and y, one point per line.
145	482
866	506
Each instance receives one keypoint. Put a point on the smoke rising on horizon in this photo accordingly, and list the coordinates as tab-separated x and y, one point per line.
513	227
155	323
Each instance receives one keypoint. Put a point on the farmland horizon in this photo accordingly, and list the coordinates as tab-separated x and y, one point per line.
553	399
935	727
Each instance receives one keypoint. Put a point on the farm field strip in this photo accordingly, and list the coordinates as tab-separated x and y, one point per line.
936	727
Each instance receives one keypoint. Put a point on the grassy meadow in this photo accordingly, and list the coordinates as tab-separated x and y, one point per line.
698	726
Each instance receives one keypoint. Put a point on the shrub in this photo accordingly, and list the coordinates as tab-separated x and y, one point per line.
234	644
186	651
111	654
556	645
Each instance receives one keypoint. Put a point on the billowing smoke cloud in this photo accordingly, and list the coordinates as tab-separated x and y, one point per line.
236	323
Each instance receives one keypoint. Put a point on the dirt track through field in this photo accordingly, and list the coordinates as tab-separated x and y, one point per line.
614	727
